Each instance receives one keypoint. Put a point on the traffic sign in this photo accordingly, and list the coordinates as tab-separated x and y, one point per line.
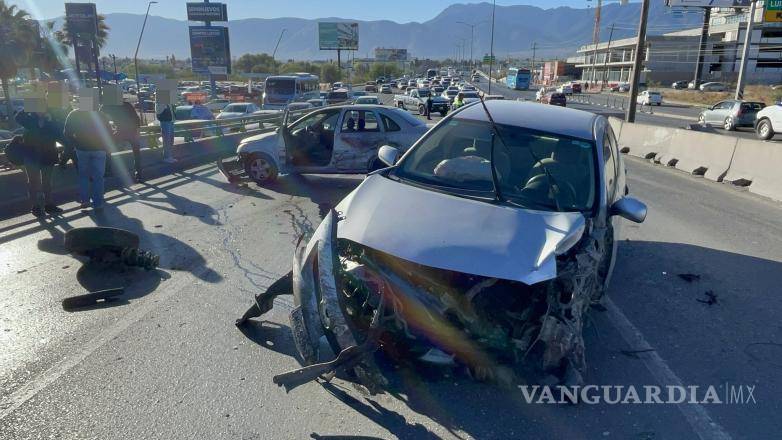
489	59
207	12
773	12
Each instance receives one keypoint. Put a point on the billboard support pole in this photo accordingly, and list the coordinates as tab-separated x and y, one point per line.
212	85
640	50
702	47
745	52
339	64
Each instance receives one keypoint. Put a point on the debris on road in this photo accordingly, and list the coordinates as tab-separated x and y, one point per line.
711	298
91	298
109	245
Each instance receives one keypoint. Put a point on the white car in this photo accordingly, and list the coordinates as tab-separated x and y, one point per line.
565	89
649	98
238	110
713	87
217	105
293	106
768	122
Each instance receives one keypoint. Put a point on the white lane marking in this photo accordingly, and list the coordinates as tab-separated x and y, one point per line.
30	389
696	414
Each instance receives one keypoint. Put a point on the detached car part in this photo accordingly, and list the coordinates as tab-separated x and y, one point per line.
107	245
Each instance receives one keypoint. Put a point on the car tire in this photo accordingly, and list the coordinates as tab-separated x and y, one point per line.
400	105
83	241
260	168
421	110
729	125
764	130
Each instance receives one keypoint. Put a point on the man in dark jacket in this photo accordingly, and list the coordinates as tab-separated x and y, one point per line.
429	106
39	140
90	133
127	123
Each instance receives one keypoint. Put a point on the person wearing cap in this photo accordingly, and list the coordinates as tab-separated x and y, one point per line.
39	140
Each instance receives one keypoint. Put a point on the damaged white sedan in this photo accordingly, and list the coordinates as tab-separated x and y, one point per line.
484	245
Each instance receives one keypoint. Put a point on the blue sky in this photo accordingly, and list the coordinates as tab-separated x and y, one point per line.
396	10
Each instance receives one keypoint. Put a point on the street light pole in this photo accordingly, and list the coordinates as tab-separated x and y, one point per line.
745	52
640	47
472	39
135	58
275	50
491	45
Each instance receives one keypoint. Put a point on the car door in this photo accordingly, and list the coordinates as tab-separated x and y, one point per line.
309	142
713	114
360	136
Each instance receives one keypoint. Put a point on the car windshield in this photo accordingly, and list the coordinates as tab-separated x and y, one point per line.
455	158
470	95
236	108
338	95
280	86
423	93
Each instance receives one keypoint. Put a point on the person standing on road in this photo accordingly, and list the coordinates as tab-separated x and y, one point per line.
458	101
39	141
127	123
429	107
166	117
90	133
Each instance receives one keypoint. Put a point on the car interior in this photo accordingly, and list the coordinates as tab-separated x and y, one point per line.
310	140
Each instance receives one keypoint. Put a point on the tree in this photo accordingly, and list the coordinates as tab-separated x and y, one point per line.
64	35
14	47
256	63
52	53
329	73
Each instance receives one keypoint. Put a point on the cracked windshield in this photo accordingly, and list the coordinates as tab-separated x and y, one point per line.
522	219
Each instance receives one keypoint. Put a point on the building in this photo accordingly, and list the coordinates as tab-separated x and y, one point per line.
554	72
673	56
666	59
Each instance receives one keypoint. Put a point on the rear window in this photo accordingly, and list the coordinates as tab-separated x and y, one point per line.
753	106
654	93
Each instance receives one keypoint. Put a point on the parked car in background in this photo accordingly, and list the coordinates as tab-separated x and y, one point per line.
470	96
238	110
713	87
768	122
316	102
371	86
649	98
337	96
731	114
554	98
679	85
185	114
691	85
415	99
385	89
576	87
367	100
565	89
217	105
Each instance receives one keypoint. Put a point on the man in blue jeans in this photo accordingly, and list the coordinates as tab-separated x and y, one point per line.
89	132
166	117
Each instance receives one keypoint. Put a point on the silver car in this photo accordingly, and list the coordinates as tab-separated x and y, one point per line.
731	113
484	245
340	139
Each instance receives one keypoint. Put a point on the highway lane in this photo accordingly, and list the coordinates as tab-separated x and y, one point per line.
167	362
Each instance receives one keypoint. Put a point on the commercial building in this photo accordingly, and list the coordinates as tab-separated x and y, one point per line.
673	56
554	72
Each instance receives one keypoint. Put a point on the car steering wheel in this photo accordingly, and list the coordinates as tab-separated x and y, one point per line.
570	188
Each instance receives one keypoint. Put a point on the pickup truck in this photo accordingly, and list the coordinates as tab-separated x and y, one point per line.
415	99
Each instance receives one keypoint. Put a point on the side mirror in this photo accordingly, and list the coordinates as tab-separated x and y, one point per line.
388	155
629	208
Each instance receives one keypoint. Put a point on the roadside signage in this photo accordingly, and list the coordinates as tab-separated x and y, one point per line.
773	12
338	36
210	50
82	18
709	3
489	59
207	12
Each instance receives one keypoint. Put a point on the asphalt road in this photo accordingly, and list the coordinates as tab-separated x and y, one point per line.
165	361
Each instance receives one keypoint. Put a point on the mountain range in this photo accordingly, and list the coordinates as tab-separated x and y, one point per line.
555	31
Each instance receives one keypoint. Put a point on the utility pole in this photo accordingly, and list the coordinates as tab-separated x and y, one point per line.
745	51
491	45
608	55
702	47
640	47
274	53
596	39
532	71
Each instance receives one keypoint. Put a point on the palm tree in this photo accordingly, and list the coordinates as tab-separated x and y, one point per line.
64	35
49	56
14	47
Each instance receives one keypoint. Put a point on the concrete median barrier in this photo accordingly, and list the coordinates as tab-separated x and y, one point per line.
759	165
645	141
616	125
703	154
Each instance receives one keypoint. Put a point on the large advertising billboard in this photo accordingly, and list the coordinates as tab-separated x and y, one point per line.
210	50
773	11
342	35
82	19
207	12
384	54
709	3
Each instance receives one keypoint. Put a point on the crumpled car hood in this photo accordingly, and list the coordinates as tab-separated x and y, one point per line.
458	234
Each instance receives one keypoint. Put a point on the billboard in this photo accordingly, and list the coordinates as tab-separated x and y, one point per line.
773	11
709	3
383	54
210	50
333	36
207	12
82	19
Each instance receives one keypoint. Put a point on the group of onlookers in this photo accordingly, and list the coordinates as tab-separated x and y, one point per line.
88	137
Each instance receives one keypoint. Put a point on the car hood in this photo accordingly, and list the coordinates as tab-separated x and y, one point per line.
254	141
456	233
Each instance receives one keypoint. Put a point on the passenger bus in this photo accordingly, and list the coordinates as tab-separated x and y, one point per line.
279	90
518	79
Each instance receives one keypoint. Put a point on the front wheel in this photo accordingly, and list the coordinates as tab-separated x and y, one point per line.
421	110
764	130
729	124
443	113
261	168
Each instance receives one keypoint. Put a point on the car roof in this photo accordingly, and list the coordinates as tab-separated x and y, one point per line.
546	118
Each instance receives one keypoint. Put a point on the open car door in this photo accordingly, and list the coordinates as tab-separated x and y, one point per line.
309	142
